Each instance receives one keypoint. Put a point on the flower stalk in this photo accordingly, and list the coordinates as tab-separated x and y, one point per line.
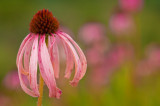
40	91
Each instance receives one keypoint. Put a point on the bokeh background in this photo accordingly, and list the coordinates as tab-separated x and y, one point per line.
121	40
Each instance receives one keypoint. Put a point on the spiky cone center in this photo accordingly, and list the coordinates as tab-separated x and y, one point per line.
43	22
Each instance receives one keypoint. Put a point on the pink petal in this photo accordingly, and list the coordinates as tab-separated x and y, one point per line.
46	69
51	41
54	54
21	47
27	56
69	61
33	66
80	53
78	68
20	67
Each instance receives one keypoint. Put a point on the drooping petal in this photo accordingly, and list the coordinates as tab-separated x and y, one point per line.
69	61
27	56
46	69
80	53
20	67
33	66
78	68
54	54
25	69
21	47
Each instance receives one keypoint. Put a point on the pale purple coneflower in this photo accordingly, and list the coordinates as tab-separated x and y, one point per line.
94	57
11	80
153	54
144	68
150	64
117	56
40	48
67	30
131	5
92	32
121	24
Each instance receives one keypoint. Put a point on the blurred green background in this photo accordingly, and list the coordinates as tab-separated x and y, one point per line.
15	16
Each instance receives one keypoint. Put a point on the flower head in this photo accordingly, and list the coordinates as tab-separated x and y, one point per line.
92	32
131	5
43	22
40	48
121	24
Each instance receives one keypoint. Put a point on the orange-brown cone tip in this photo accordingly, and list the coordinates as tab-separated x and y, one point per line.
43	22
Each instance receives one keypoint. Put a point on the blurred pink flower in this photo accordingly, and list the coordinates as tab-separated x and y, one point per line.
94	57
121	24
144	68
11	80
95	54
153	54
67	30
113	60
40	48
151	63
4	101
120	53
92	32
100	76
131	5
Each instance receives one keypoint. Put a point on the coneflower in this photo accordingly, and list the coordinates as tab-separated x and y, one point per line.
40	48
